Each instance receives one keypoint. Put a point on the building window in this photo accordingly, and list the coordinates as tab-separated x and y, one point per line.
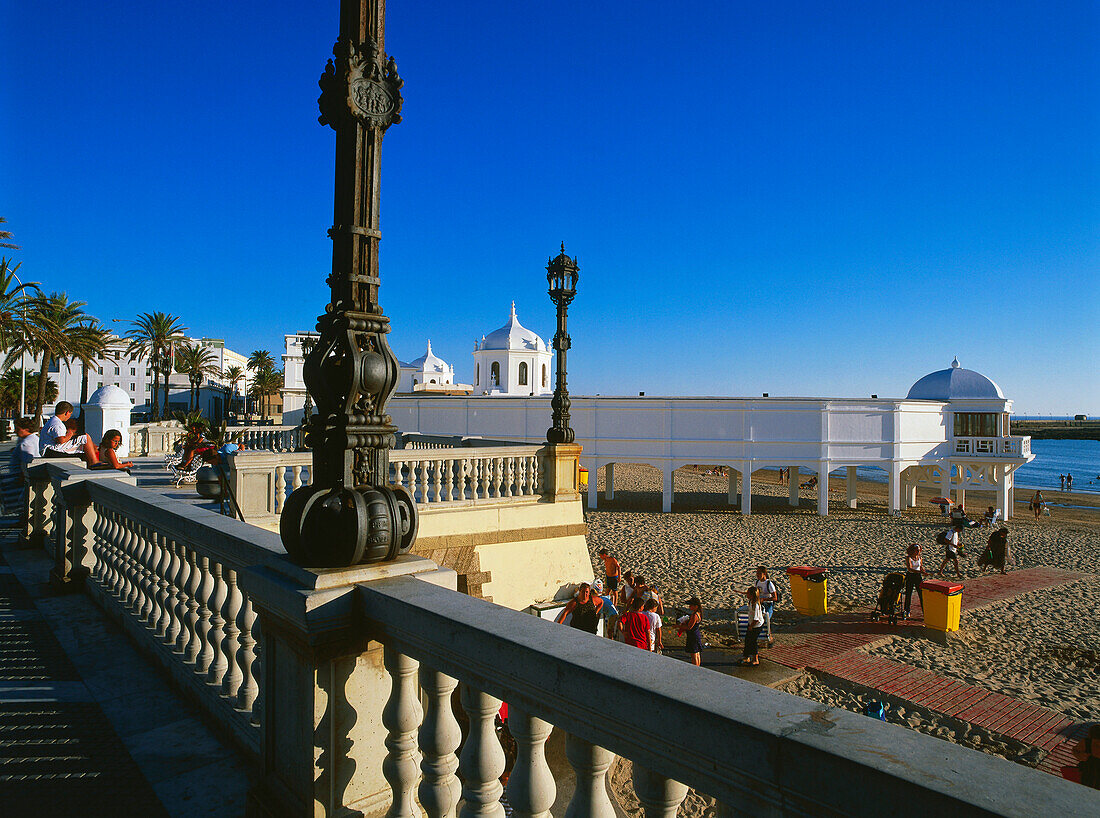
133	372
415	382
432	380
544	375
101	372
148	372
523	373
148	387
494	374
116	372
99	385
477	375
975	424
118	384
133	387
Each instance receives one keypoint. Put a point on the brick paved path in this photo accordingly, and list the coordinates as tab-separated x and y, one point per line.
830	646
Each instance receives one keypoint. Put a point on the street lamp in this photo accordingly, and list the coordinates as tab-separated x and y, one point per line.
23	348
561	276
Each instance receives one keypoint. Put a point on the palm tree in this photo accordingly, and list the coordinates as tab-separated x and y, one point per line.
12	297
51	324
195	361
265	382
260	360
152	336
11	383
90	342
232	375
5	237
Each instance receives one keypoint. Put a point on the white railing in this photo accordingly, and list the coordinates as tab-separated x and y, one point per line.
154	440
262	482
194	589
1014	446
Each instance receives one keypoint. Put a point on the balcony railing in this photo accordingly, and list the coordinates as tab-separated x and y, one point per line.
153	440
339	683
1015	446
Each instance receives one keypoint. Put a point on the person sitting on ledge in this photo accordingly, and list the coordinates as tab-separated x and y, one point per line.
28	447
107	457
59	438
809	484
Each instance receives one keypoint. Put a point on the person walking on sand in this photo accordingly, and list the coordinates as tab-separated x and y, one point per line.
768	596
756	623
1069	482
691	627
611	569
1037	503
996	552
950	539
914	574
1062	482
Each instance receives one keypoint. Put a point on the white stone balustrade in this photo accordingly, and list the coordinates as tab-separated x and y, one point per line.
350	677
262	481
1013	446
155	440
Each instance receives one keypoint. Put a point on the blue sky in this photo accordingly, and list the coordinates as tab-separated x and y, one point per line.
798	198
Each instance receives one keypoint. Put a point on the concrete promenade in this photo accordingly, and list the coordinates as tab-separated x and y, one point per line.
87	725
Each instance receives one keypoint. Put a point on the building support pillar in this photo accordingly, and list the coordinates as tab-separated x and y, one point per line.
735	479
945	480
893	489
910	493
1010	509
850	485
609	482
792	486
823	488
960	495
746	488
669	488
593	495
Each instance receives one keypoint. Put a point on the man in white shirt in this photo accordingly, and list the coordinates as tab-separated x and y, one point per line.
656	644
27	449
951	542
57	440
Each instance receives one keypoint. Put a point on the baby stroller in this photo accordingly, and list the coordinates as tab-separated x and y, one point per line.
889	598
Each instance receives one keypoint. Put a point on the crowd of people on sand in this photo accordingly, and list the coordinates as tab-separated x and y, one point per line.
630	609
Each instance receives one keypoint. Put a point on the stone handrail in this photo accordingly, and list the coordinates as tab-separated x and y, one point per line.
1012	446
261	482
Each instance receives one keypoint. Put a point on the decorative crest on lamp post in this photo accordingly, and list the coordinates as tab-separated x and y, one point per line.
350	514
561	276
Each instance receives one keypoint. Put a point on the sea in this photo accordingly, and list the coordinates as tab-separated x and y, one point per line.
1081	458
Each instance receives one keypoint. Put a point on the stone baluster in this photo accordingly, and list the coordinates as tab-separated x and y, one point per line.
182	582
280	488
439	738
99	548
246	655
401	716
531	788
482	760
113	583
498	475
207	592
295	478
506	467
536	486
129	547
589	763
164	594
172	602
194	583
256	672
422	465
437	480
230	646
485	477
660	797
150	555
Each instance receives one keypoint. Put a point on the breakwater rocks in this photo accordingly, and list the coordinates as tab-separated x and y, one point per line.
1058	429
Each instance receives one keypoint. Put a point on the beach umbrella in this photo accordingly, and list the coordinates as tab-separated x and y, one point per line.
940	501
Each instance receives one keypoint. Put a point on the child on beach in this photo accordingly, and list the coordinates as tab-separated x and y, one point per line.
913	576
756	623
950	540
768	595
690	626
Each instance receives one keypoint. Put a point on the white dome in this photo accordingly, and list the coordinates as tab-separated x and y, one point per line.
513	336
955	383
428	362
110	397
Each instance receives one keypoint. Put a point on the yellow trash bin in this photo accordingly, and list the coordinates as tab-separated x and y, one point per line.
809	590
584	478
942	604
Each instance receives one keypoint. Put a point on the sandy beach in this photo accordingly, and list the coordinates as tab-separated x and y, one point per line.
1042	646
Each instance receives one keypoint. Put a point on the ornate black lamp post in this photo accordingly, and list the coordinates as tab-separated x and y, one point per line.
350	514
307	407
561	276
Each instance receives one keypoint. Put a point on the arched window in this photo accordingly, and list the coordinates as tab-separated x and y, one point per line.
432	380
414	382
544	375
523	373
494	374
477	375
